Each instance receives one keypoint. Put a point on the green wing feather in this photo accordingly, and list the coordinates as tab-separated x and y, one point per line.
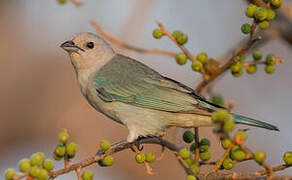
129	81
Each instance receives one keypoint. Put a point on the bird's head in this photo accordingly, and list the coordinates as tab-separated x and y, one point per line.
88	51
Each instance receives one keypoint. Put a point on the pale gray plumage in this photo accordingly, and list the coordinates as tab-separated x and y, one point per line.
135	95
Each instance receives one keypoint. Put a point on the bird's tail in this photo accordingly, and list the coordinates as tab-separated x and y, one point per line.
253	122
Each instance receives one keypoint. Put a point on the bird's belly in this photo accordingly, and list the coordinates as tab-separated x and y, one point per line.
144	121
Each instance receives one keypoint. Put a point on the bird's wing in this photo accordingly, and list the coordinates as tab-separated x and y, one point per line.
129	81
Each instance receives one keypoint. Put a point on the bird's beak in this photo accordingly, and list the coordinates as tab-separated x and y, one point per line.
70	46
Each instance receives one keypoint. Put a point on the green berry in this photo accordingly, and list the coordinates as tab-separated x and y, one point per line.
251	69
197	66
48	164
217	99
261	13
181	58
140	157
188	136
288	158
225	143
229	125
220	116
227	164
238	155
205	155
191	177
264	24
63	137
57	158
105	145
62	1
189	161
195	168
237	74
150	157
276	3
43	175
35	171
202	57
157	33
204	144
241	133
9	173
270	59
211	66
257	55
269	69
24	165
176	34
193	147
260	156
242	58
71	149
236	67
250	10
37	159
245	28
271	14
87	175
60	150
108	160
184	153
182	39
239	137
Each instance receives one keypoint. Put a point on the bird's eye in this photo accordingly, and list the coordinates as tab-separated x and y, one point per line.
90	45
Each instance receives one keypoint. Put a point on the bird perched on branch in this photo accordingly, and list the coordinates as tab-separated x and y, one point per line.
135	95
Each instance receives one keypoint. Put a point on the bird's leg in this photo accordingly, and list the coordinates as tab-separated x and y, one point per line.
137	144
162	154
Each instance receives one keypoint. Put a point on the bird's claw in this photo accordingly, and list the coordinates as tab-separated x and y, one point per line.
138	144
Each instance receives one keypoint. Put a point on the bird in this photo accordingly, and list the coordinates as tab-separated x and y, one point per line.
135	95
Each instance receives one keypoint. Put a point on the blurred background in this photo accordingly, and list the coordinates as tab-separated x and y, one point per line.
39	94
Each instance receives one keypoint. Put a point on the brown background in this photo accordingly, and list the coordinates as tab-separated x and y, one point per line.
39	94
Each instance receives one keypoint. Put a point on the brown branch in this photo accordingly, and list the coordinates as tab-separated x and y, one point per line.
121	44
114	149
220	162
78	173
197	150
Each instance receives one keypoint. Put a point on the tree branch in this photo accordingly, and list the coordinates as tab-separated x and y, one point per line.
121	44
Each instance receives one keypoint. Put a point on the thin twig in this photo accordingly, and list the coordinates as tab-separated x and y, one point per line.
77	3
114	149
78	173
124	45
220	162
197	151
184	49
226	66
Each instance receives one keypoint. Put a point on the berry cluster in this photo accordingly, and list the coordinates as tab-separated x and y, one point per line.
251	66
261	15
38	167
64	150
108	160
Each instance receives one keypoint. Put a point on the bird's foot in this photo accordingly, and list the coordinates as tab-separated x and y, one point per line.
138	147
